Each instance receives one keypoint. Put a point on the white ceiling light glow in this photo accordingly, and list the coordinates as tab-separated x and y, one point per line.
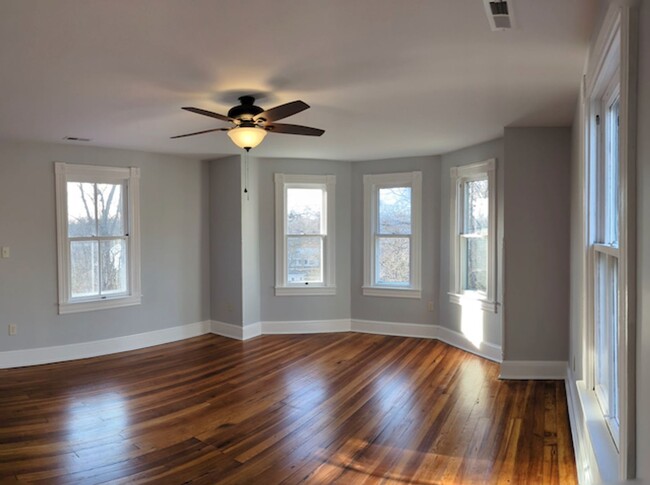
247	137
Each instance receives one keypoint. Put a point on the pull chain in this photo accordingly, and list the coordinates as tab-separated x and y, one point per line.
248	197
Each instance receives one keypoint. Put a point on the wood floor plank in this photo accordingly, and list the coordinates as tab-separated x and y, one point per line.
331	408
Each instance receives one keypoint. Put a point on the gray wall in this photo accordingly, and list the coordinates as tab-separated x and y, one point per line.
226	303
536	225
577	289
643	250
250	237
174	219
404	310
450	313
293	308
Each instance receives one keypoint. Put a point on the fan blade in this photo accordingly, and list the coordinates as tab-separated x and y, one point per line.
205	112
282	111
200	132
294	129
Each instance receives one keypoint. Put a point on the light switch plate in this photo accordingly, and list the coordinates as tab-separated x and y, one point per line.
6	252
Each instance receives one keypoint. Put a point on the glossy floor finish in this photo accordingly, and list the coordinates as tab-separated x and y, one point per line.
333	408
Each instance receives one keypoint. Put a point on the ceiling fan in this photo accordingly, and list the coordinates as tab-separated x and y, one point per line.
250	123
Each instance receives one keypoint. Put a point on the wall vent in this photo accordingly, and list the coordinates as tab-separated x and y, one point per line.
500	15
75	138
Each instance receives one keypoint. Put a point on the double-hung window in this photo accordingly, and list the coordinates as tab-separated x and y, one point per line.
610	234
472	217
98	237
392	224
304	235
606	256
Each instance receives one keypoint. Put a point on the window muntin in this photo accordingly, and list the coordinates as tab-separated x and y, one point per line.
392	234
98	237
304	234
473	234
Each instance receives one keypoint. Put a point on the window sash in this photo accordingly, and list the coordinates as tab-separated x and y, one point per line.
321	267
102	295
376	281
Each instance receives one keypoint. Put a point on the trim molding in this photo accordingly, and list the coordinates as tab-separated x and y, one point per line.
308	326
95	348
456	339
533	369
61	353
578	431
486	350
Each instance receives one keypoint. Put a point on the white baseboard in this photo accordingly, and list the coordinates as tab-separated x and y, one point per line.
47	355
531	369
236	332
306	326
456	339
83	350
419	330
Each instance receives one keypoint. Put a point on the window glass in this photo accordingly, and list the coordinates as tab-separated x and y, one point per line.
394	210
110	210
393	261
304	259
304	211
82	220
476	206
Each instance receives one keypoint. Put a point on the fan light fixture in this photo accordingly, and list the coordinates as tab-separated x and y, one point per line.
247	137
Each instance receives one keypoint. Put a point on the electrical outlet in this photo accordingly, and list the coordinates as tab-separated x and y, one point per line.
6	252
12	329
229	307
430	306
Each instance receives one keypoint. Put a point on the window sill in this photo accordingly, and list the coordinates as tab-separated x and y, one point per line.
486	305
87	306
305	290
602	443
392	292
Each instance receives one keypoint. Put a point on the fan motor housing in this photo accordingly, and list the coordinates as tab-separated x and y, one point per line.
246	110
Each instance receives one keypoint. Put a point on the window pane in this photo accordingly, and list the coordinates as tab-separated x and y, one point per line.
474	253
113	261
110	210
393	261
612	176
606	355
395	210
81	209
84	270
304	259
304	211
475	207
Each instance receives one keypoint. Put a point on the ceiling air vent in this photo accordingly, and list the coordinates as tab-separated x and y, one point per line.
75	138
499	13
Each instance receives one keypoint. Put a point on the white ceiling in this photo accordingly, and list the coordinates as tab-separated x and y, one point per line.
384	78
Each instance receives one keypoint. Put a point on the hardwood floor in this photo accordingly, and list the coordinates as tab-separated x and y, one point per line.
333	408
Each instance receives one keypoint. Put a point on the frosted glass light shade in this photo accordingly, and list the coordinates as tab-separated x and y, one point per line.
246	137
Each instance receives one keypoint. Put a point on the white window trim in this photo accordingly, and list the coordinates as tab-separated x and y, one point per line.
64	172
282	288
458	175
371	184
615	49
